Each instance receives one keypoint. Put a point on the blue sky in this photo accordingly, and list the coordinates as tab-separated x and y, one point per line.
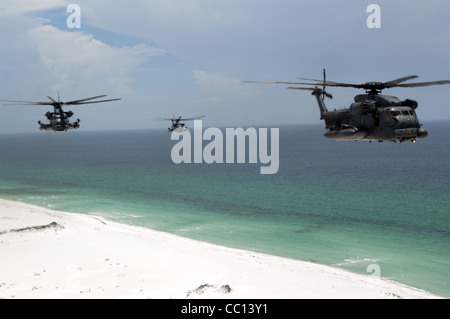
173	57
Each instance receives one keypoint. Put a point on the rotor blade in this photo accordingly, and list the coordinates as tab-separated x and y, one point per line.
307	79
400	80
312	89
92	102
327	83
424	83
270	82
297	88
194	118
338	84
26	102
51	99
320	82
292	83
352	85
172	119
87	99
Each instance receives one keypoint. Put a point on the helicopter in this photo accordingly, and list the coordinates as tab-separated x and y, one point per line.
372	116
177	126
59	119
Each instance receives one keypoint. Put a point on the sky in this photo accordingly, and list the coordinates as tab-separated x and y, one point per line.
188	58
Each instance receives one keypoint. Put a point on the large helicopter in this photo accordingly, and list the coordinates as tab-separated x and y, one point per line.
177	126
372	116
59	119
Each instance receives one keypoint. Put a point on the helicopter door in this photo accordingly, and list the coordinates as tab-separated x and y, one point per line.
386	119
376	119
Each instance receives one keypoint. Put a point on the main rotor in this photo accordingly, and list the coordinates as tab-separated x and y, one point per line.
59	104
178	119
372	88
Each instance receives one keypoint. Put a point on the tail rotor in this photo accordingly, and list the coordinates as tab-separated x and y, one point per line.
324	93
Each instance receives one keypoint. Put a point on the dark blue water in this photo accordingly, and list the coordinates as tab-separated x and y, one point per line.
346	204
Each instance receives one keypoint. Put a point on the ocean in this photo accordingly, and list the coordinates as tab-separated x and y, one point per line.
380	209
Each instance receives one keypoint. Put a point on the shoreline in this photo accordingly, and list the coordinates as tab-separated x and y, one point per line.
53	254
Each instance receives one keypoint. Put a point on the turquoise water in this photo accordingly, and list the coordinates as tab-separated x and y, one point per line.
346	204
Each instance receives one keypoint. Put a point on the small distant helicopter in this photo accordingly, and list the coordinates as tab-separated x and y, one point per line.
59	120
177	126
373	116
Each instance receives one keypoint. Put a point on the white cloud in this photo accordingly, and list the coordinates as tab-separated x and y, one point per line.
32	51
76	58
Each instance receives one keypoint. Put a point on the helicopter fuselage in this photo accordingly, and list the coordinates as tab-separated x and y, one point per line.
177	127
373	117
59	121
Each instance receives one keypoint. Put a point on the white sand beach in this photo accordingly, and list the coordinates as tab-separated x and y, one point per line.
50	254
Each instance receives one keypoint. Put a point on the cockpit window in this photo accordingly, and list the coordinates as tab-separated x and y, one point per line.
403	112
